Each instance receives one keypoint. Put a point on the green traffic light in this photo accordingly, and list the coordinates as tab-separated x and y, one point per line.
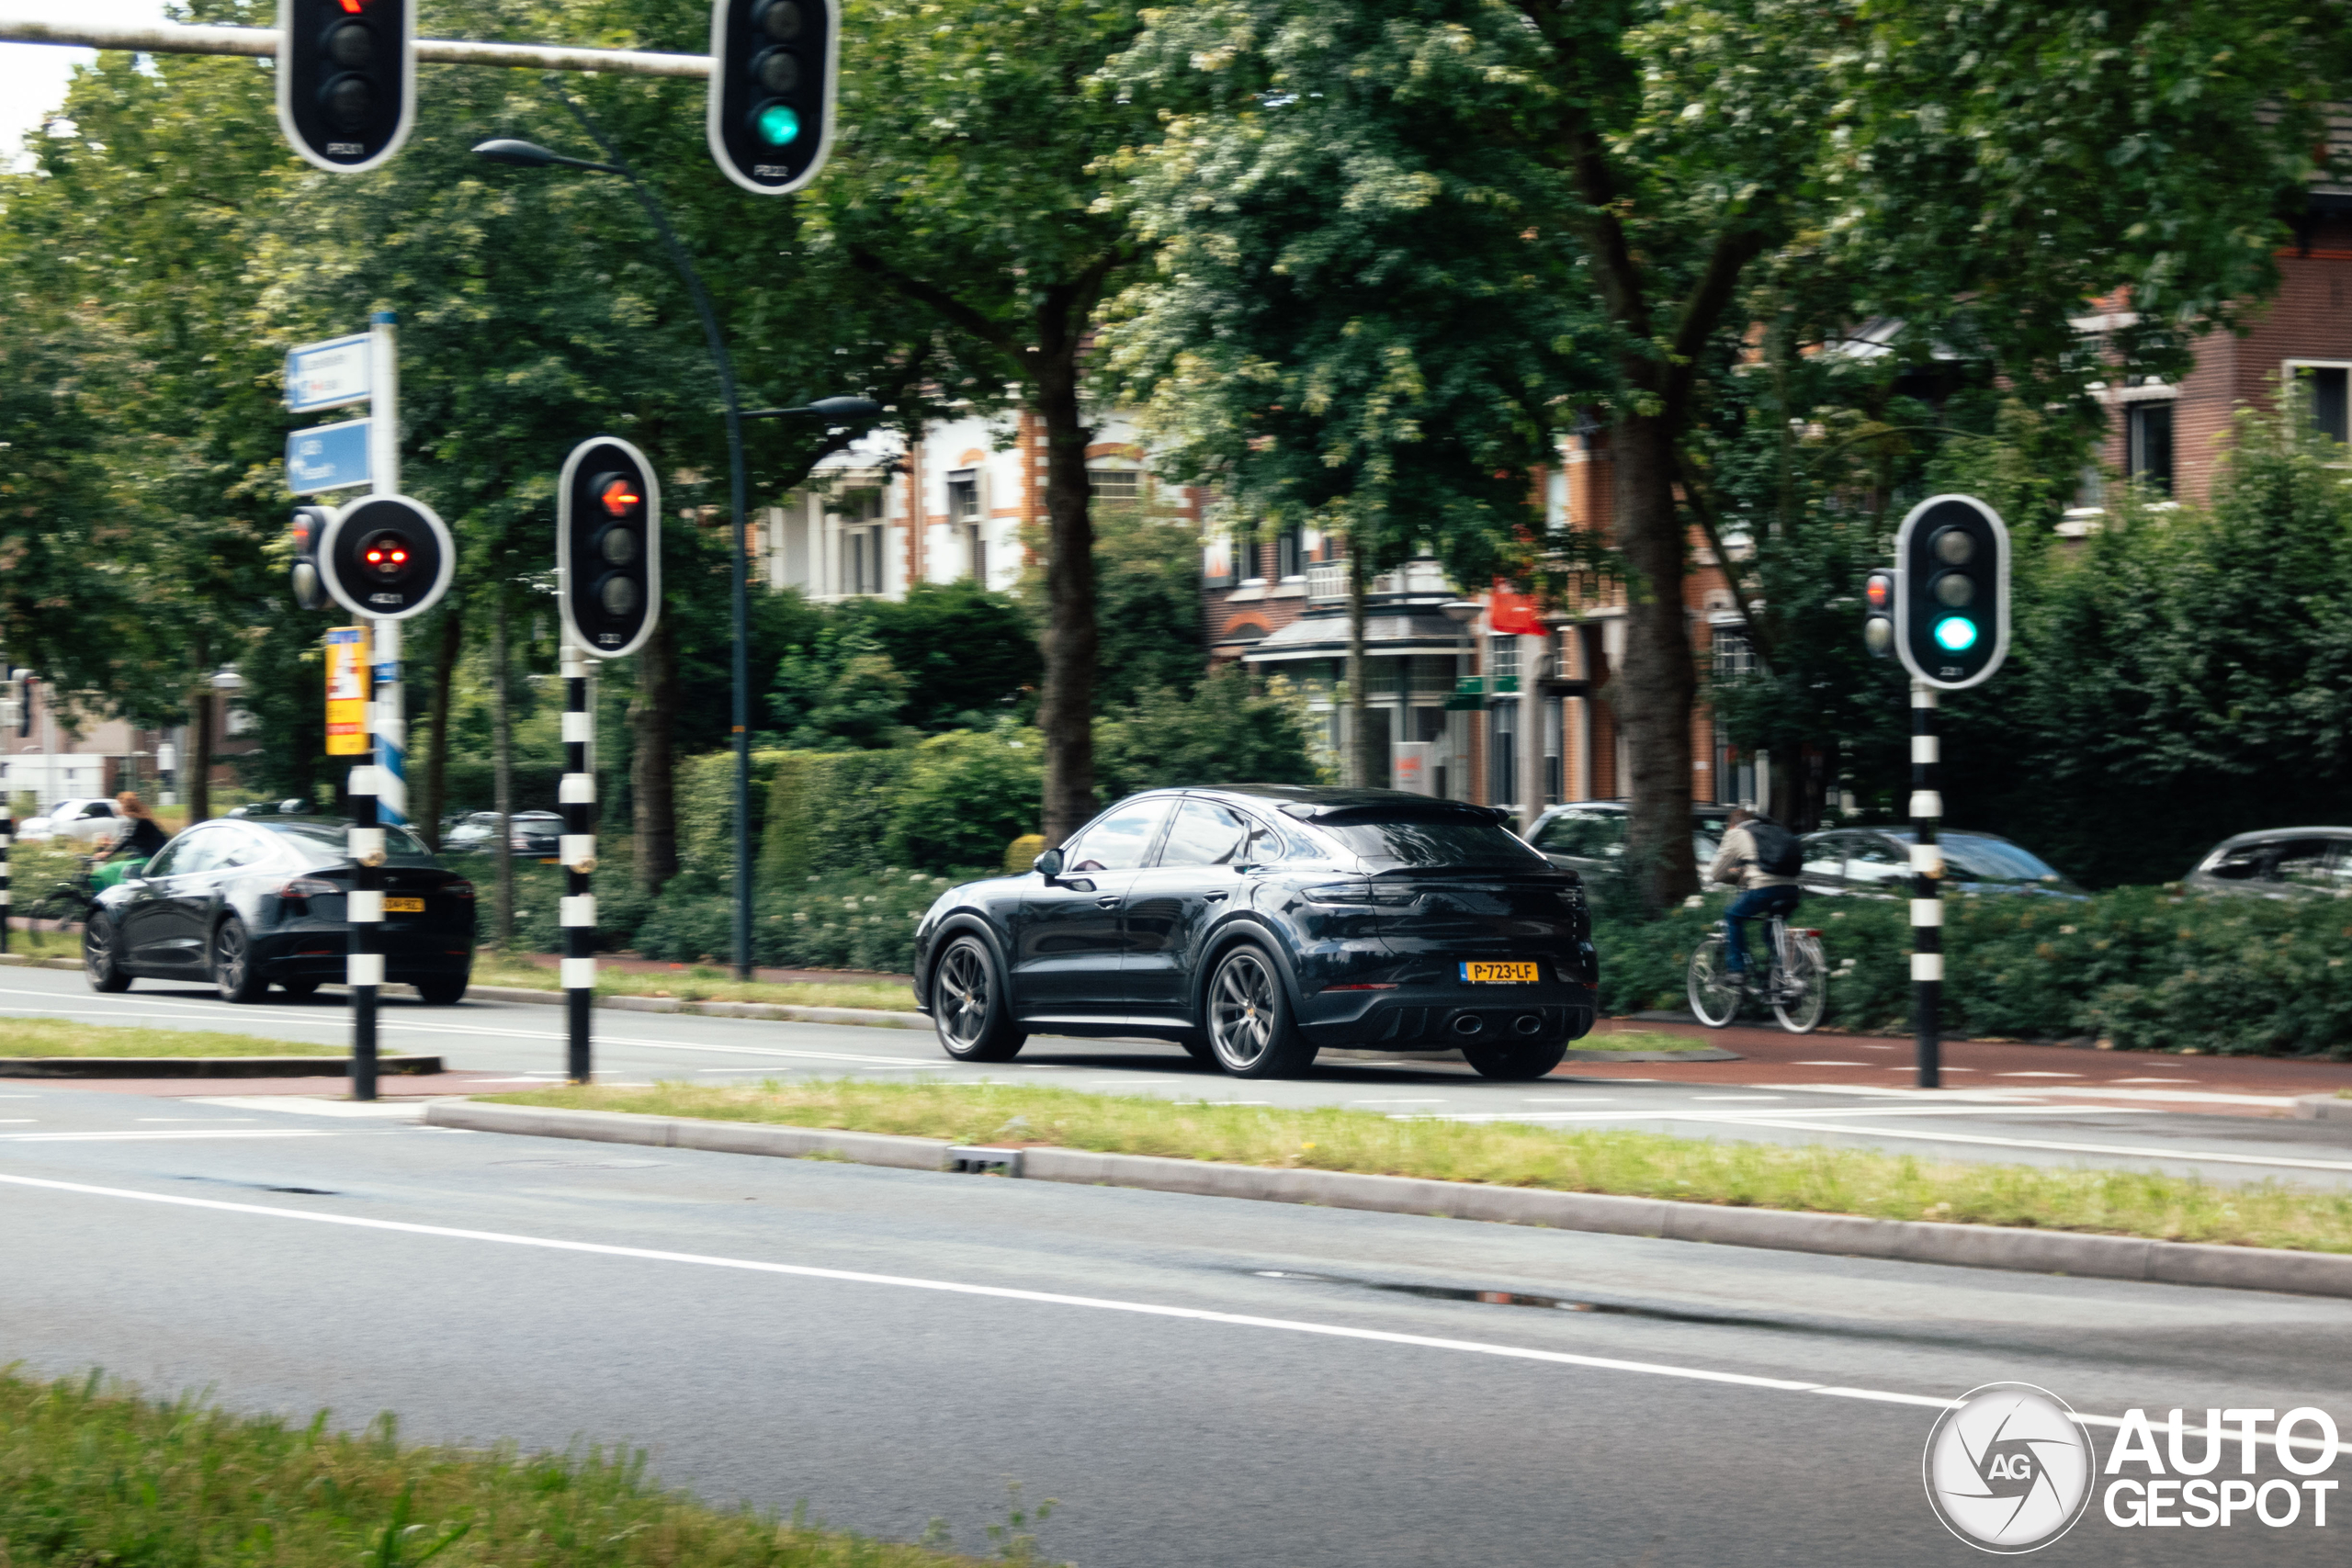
776	124
1955	634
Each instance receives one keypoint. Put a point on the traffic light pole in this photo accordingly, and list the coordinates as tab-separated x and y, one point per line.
578	797
1927	885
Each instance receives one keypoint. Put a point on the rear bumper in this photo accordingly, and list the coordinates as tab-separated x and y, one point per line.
323	953
1436	1017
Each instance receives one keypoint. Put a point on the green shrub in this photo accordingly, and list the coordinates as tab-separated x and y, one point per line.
828	813
968	794
856	920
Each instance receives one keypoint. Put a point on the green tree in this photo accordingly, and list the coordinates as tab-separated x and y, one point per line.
1221	733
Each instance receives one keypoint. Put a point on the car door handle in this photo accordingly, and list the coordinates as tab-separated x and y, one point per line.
1110	902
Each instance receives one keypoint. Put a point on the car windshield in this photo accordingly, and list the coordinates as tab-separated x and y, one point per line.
1994	859
1401	836
322	843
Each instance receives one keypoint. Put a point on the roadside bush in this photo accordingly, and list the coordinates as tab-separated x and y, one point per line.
2143	968
1222	733
828	813
968	794
859	920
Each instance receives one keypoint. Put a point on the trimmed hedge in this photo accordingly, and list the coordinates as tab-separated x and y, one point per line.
2142	968
856	920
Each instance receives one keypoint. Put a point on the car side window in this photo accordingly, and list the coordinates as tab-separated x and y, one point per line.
1119	841
1594	835
199	850
1205	833
165	861
2241	864
96	809
241	848
1871	861
2302	862
1825	858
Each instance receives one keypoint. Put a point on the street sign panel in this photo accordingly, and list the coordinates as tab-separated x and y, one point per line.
330	375
327	456
347	691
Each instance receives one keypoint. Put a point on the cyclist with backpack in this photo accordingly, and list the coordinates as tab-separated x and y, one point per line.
1763	858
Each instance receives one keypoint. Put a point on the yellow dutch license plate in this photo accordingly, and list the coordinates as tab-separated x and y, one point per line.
403	906
1522	974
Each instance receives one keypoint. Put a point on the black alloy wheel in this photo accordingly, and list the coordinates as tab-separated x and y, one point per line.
1251	1028
234	972
1515	1064
99	961
969	1009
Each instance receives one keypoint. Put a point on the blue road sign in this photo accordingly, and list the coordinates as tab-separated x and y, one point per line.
327	456
328	375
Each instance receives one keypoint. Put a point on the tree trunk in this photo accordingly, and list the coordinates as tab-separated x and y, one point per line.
501	744
1658	683
652	782
436	767
1362	767
199	757
1066	714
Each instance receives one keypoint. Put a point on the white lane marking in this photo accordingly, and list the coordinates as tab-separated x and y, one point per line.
17	1120
2187	1157
2037	1075
212	1119
149	1137
1053	1297
1406	1102
1830	1064
1739	1097
304	1105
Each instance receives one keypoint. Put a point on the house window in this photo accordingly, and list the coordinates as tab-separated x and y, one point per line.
1119	487
1734	656
976	553
2148	444
861	560
2324	393
1502	658
1290	558
963	495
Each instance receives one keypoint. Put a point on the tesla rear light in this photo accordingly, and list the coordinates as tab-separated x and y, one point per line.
464	890
308	887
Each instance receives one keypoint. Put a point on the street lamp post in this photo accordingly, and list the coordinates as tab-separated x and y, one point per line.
526	155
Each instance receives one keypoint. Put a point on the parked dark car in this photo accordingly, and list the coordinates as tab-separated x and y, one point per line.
1588	837
1255	925
1875	862
2280	862
249	903
536	833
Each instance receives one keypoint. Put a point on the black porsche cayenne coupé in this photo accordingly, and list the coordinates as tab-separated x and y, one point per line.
1255	925
246	902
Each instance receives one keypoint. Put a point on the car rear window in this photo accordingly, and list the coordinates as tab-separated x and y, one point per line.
1403	836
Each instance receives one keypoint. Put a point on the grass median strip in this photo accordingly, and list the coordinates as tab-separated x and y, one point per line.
1815	1179
63	1037
701	985
95	1474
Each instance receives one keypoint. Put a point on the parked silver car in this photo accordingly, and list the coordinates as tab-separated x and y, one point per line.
1588	836
1875	862
2278	863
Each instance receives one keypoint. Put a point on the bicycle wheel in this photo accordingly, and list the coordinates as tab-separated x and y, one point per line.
1714	990
1802	995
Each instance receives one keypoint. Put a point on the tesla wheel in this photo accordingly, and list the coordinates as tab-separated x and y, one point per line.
99	960
1515	1064
234	972
299	989
1251	1032
1714	990
969	1009
443	991
1804	995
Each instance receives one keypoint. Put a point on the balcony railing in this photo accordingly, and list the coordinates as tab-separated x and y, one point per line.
1327	579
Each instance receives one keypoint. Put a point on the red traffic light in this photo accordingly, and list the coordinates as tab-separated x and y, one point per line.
618	496
1878	591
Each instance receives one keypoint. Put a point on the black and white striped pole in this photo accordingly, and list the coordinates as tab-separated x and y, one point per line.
364	966
1927	885
578	798
12	695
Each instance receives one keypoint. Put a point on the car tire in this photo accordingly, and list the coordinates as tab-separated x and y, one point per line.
444	990
1196	1045
299	988
1246	1010
1515	1064
235	974
99	961
969	1009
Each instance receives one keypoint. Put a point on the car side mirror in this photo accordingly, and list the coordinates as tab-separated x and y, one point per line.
1049	864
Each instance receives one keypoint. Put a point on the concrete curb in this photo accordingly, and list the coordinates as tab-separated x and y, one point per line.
2323	1108
203	1067
778	1011
1848	1235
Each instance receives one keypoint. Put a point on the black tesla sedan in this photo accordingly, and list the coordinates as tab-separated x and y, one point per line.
243	903
1255	925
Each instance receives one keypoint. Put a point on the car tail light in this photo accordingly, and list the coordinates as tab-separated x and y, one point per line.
1340	893
464	890
308	887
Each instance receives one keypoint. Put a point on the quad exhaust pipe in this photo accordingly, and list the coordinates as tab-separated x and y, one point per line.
1527	1025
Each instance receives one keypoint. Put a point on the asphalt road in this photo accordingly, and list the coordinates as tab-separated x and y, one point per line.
2034	1123
1194	1380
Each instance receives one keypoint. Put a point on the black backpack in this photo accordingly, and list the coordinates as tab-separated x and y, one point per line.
1777	852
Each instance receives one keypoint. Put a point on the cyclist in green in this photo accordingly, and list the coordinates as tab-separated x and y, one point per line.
1761	858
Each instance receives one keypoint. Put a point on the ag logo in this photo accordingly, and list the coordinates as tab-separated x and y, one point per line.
2007	1469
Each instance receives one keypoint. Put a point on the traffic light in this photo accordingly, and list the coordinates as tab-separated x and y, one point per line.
609	546
310	527
387	557
772	90
346	79
1877	614
1951	591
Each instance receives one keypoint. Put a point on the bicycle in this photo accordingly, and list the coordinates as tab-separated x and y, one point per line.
1786	971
